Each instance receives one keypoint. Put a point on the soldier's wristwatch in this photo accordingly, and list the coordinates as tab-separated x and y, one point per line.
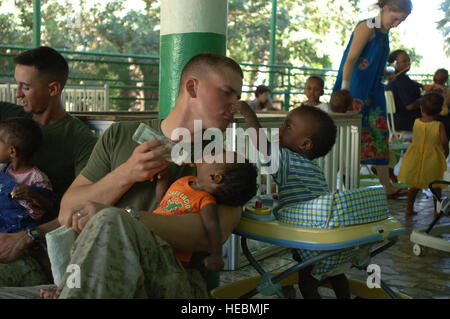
34	233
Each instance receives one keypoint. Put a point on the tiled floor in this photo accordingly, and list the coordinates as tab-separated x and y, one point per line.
426	276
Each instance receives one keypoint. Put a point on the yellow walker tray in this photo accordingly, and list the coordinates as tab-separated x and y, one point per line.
281	234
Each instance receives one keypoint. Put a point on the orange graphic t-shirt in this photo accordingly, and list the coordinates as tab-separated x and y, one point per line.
181	198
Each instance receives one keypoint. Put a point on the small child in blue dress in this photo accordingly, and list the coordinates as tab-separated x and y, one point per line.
25	191
307	133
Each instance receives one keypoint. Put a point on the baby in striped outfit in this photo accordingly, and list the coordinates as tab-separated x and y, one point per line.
307	133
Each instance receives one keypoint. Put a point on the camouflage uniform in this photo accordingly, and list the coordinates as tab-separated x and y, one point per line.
119	257
25	271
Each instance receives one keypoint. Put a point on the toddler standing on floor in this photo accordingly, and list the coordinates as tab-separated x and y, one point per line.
424	161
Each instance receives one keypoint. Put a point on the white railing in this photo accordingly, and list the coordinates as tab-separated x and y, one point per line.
86	99
74	98
341	165
8	93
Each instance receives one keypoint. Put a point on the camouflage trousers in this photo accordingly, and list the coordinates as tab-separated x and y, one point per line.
25	271
118	257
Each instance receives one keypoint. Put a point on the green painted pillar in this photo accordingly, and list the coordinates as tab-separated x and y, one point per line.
188	27
273	33
36	23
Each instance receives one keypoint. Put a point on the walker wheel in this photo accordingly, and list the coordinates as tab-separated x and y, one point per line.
417	250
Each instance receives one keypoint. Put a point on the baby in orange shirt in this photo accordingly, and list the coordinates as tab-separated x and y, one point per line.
217	182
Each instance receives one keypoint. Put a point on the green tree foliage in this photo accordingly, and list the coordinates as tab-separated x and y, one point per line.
444	25
395	41
308	34
301	25
84	25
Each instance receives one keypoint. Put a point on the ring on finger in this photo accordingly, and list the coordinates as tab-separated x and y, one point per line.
80	214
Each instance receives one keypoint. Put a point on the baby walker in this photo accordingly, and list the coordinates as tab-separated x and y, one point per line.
430	236
259	223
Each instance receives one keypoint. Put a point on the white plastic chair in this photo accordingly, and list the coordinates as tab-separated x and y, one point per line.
395	136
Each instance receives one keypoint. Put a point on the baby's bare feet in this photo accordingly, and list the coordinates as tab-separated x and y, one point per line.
410	212
214	262
49	293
